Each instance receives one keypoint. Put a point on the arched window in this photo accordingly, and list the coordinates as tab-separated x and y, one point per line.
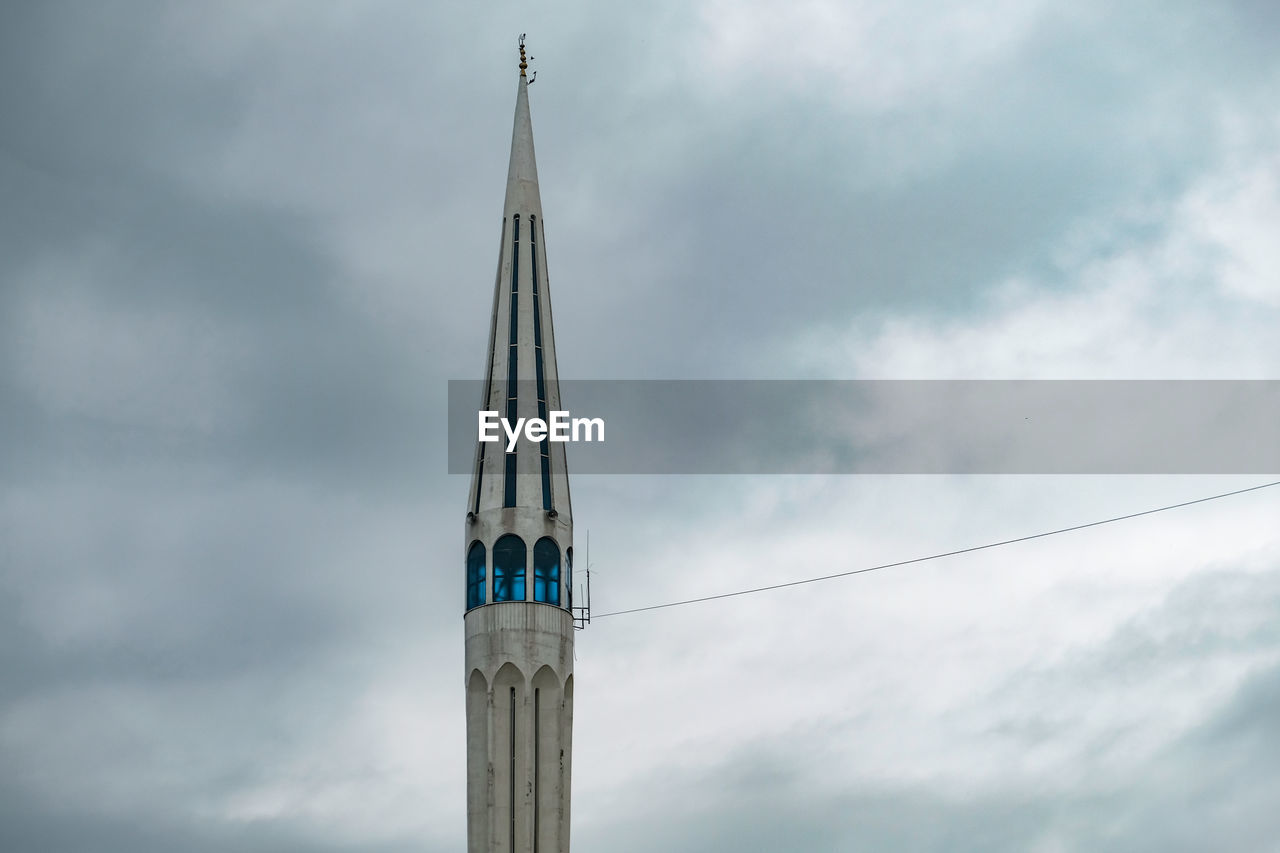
508	568
475	575
568	576
546	571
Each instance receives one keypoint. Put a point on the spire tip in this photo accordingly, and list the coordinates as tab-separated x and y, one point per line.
523	62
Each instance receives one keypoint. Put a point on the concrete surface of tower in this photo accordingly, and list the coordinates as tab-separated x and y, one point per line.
518	547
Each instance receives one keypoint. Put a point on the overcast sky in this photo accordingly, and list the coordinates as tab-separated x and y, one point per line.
244	245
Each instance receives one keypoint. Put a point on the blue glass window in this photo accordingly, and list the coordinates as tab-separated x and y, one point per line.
546	571
475	575
568	575
508	568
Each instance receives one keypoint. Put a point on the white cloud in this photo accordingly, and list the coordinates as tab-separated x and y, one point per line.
1237	217
1198	302
859	55
984	672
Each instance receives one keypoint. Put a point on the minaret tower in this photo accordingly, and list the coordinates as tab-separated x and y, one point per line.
518	542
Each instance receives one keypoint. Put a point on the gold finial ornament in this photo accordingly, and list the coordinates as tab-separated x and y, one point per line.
523	62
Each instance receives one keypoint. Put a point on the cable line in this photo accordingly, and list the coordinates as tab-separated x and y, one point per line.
937	556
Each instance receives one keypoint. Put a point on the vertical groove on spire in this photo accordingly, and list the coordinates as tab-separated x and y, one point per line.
513	347
544	451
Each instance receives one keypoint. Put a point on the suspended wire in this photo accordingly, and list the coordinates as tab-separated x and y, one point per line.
957	552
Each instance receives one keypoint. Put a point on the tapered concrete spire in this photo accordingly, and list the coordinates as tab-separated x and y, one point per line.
521	375
522	173
518	545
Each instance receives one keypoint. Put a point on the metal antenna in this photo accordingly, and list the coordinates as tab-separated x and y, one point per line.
582	615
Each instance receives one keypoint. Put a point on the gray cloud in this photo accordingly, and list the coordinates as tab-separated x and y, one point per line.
241	250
